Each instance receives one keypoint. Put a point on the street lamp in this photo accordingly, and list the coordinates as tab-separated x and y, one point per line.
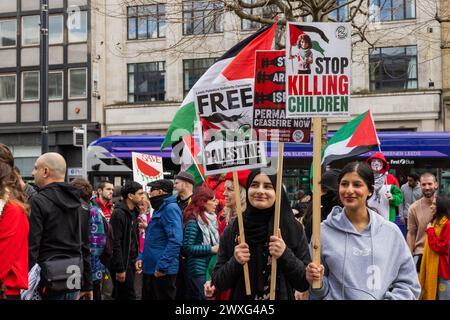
43	104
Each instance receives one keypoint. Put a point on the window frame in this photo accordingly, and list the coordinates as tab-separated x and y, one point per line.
62	85
159	19
375	19
15	87
185	92
69	93
38	86
339	11
62	29
135	73
22	42
15	38
69	41
381	81
191	19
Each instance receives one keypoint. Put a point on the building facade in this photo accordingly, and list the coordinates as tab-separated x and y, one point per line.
154	53
69	77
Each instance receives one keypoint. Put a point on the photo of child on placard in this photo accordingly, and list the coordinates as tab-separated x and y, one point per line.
302	53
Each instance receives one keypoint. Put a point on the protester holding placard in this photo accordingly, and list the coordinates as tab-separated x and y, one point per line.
363	255
227	216
289	248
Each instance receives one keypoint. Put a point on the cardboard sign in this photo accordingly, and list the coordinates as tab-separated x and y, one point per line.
318	57
147	168
269	110
225	114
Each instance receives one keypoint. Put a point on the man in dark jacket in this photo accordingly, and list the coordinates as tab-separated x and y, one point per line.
55	223
126	236
163	242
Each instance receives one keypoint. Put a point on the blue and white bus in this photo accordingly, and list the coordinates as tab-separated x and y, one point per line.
110	157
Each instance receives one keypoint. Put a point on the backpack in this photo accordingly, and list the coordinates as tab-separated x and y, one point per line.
106	256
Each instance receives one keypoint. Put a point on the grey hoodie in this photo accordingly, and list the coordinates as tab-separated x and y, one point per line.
375	264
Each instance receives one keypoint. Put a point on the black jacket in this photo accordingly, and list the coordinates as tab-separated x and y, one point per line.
328	201
291	274
126	234
55	230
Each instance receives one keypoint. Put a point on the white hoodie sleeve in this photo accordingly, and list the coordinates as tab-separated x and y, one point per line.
406	285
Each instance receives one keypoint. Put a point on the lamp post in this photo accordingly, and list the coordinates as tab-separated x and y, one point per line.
43	104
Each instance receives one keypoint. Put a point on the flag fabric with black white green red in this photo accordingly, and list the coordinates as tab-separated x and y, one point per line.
354	138
318	64
236	64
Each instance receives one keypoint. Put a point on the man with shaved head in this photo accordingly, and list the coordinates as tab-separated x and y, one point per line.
55	227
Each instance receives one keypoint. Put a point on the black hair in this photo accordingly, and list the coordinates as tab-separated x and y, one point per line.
442	207
130	187
363	170
415	176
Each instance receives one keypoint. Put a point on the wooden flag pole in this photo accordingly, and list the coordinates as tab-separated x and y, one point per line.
237	196
317	176
276	220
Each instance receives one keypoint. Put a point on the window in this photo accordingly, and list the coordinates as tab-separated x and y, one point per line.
393	69
146	82
341	13
30	30
55	85
55	30
8	33
202	17
266	11
193	69
147	22
30	85
8	88
248	24
77	26
77	83
391	10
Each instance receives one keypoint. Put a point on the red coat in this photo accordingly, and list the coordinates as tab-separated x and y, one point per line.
14	229
440	246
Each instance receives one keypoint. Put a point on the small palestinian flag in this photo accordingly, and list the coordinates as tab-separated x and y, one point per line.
356	137
316	35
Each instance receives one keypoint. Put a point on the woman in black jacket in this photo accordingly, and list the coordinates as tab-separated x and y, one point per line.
290	250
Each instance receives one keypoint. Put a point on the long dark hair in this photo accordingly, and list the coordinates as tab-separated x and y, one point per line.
442	208
9	179
197	206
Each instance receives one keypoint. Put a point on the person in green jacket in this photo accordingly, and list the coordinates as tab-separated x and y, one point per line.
201	239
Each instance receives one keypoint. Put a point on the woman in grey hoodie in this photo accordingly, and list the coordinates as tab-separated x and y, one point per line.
364	256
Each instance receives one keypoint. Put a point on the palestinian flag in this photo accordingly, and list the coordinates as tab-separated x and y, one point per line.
236	64
317	36
191	159
356	137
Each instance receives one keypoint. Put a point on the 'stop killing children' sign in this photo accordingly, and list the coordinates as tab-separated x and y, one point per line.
318	57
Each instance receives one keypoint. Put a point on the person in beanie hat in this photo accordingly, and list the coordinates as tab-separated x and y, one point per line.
185	176
184	185
329	199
